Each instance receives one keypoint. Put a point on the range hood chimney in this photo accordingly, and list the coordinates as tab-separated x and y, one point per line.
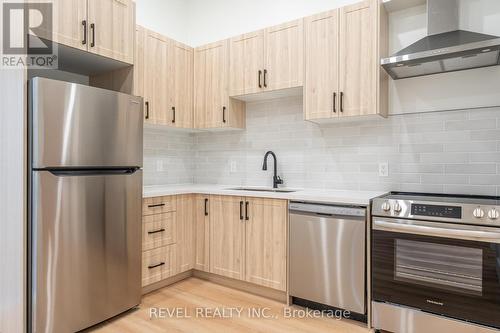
446	48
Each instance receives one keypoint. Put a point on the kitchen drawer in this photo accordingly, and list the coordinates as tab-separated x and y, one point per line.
158	205
158	230
157	264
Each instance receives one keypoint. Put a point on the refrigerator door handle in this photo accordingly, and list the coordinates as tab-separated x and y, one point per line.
92	172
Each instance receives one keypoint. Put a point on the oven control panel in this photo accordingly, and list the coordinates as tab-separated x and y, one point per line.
451	212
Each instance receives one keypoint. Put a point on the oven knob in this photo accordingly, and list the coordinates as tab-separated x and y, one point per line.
478	213
493	214
386	207
397	208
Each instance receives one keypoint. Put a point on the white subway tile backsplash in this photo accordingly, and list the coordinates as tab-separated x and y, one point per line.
440	152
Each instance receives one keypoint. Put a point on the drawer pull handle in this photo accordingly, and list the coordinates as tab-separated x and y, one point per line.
155	206
157	265
206	207
156	231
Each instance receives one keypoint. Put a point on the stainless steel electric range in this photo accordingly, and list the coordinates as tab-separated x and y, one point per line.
435	262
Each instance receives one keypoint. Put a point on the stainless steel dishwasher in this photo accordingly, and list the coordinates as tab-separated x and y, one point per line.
327	255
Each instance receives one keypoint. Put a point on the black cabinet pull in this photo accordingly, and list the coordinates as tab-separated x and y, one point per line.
92	28
156	231
334	102
147	110
157	205
260	77
173	114
224	114
241	210
265	78
206	207
157	265
84	24
341	101
246	210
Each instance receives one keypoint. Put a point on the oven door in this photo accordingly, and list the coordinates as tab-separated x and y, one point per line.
441	268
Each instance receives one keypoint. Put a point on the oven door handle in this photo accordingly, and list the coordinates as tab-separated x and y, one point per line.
482	234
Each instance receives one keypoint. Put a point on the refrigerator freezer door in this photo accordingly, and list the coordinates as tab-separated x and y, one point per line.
80	126
86	248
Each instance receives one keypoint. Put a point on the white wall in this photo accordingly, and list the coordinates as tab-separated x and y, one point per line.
167	17
212	20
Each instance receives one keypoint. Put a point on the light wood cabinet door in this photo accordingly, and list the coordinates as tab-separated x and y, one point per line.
246	63
202	230
158	230
185	233
266	232
158	79
68	24
182	89
112	29
284	56
358	59
227	236
211	102
158	264
140	69
321	93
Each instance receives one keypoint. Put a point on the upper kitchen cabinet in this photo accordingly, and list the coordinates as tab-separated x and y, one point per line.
343	76
103	27
213	108
182	87
246	63
267	60
284	56
163	75
69	25
157	79
112	28
322	67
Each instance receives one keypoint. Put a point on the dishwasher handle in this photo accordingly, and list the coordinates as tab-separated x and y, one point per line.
326	210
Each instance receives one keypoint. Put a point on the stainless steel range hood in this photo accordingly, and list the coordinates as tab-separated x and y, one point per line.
446	48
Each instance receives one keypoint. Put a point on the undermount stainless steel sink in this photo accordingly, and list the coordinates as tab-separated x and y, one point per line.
257	189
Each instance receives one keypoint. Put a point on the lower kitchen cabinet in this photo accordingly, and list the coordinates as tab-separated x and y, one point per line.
202	232
265	250
227	236
158	230
236	237
157	264
185	233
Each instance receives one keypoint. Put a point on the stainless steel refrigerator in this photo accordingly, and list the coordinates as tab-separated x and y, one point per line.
85	185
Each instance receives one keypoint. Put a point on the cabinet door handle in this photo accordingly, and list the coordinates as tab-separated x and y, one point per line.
157	265
341	101
92	28
224	114
260	78
241	210
147	110
157	205
246	211
173	114
84	24
265	78
334	102
156	231
206	207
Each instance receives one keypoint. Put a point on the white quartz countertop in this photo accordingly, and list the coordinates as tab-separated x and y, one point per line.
358	198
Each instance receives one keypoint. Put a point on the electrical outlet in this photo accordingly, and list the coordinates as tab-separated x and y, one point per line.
233	167
383	169
159	166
